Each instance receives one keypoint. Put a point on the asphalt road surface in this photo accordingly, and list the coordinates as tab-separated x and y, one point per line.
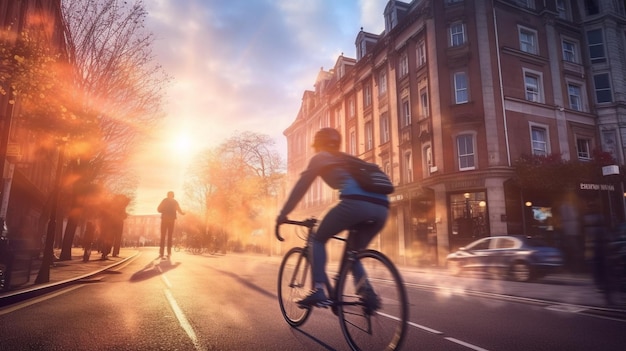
228	302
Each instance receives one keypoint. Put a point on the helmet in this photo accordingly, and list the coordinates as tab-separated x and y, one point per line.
327	137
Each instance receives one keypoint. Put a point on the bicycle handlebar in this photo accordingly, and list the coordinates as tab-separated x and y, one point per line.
309	223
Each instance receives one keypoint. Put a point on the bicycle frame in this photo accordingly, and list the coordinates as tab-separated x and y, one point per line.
361	319
348	255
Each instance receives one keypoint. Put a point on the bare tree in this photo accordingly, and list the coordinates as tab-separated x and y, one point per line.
117	81
234	183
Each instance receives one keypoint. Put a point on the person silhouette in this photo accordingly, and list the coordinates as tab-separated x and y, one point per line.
168	208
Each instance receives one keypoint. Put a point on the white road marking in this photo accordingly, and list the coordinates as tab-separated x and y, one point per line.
468	345
182	320
566	308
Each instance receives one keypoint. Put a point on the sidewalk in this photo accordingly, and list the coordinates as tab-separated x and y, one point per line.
63	273
565	292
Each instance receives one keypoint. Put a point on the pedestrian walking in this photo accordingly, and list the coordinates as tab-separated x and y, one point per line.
168	208
118	208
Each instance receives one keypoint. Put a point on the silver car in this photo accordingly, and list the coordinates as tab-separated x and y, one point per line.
516	257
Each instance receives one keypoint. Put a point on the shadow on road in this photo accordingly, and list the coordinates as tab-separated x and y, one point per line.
247	283
313	338
153	269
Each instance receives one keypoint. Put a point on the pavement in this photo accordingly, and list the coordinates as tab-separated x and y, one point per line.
565	292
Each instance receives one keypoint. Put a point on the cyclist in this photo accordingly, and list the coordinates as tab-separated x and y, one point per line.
364	211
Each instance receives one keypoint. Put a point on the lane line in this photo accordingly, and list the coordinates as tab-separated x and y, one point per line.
182	320
33	301
468	345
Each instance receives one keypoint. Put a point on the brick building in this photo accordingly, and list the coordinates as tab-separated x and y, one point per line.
451	93
28	171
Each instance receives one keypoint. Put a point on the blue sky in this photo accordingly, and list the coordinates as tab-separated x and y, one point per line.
239	65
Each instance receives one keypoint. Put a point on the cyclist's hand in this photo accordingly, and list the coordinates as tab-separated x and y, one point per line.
281	219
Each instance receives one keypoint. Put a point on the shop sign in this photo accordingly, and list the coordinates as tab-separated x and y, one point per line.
591	186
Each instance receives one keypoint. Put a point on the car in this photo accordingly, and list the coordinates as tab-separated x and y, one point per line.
516	257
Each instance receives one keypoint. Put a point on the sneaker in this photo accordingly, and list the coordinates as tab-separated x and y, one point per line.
370	299
315	298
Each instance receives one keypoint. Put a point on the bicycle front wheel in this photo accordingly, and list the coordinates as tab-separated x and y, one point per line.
294	283
373	311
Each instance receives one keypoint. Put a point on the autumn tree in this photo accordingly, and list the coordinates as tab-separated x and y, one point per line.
235	185
117	82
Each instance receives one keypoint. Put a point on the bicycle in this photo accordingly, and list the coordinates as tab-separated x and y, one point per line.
379	327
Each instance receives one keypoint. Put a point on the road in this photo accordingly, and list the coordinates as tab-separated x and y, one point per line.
215	302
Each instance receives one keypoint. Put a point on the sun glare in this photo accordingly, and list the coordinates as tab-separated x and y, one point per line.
182	144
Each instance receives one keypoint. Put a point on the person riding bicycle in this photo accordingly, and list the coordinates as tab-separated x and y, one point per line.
364	211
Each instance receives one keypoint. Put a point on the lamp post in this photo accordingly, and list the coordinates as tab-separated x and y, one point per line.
44	271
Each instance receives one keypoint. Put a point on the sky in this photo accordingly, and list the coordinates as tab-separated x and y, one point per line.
238	65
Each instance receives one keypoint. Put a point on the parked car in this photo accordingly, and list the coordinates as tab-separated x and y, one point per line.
516	257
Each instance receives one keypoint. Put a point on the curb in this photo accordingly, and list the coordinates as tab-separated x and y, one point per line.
12	297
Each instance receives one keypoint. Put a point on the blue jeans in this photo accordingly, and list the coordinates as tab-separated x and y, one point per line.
347	214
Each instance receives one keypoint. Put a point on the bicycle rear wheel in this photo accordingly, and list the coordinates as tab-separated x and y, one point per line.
383	325
294	283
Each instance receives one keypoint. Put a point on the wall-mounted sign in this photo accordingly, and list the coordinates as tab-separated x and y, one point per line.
591	186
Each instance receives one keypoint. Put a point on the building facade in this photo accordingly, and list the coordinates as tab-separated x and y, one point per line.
28	171
451	94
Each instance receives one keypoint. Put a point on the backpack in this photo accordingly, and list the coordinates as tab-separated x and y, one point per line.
369	176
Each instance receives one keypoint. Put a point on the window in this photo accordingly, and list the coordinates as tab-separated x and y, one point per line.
424	102
369	136
352	108
384	128
408	167
421	53
403	68
609	143
352	150
603	88
532	86
428	160
561	9
406	113
382	83
529	4
457	34
528	40
460	88
583	149
367	95
338	114
362	49
539	138
596	46
465	150
575	96
592	7
570	51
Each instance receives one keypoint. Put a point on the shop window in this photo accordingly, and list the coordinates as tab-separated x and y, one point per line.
469	216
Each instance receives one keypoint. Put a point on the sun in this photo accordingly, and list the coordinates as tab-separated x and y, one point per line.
182	144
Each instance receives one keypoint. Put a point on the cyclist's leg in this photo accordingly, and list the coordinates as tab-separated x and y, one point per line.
344	215
362	234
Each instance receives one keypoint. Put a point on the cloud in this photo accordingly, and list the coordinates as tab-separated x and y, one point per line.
243	65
